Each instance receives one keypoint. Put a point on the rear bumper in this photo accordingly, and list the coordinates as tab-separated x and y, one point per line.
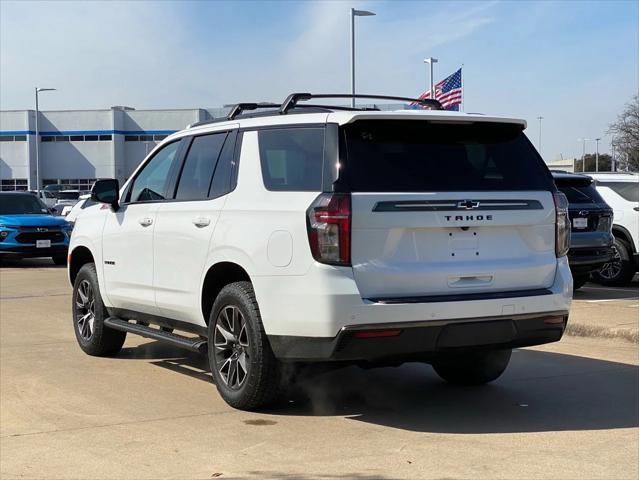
422	341
585	260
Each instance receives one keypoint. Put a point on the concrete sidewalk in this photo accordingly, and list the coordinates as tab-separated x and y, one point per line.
608	312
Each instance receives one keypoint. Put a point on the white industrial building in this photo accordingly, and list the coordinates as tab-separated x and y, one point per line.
77	147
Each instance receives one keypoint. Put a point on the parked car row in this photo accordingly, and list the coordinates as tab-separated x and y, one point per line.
603	211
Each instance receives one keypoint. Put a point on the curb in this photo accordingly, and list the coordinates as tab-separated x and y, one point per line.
594	331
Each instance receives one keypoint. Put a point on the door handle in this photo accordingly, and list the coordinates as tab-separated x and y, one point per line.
201	222
145	222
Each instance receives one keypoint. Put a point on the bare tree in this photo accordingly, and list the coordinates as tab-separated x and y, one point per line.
625	133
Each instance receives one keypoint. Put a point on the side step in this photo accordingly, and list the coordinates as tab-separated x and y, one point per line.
193	344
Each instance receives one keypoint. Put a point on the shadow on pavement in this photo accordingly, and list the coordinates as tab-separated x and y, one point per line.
45	262
540	391
594	291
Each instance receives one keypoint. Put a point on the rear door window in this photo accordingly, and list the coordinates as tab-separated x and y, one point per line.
424	156
197	172
581	194
292	158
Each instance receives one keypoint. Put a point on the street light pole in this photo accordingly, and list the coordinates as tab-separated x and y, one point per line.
583	155
37	138
597	155
431	61
355	13
540	118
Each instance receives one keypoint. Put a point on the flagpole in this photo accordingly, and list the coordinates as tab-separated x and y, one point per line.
461	107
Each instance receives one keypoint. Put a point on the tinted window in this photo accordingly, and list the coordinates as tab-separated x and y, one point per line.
21	205
222	178
418	156
68	195
292	158
627	190
153	180
581	194
199	166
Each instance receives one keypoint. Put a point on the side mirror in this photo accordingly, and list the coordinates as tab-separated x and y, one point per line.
106	191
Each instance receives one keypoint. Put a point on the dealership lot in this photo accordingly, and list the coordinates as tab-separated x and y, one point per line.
563	410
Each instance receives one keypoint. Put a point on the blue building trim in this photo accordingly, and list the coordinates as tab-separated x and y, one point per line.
16	132
88	132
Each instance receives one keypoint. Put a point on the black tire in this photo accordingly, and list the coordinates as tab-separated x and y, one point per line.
619	272
59	259
260	383
579	281
474	368
93	337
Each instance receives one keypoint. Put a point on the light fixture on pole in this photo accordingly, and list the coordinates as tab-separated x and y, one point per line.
597	155
355	13
37	138
540	118
431	61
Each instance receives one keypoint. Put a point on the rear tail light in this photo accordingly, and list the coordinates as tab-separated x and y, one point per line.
328	221
562	224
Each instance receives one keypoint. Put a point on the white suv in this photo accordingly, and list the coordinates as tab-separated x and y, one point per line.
312	233
621	193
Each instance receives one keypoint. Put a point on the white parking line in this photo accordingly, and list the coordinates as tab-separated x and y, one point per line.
613	300
629	289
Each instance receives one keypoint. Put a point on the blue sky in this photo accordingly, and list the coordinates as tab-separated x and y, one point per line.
575	63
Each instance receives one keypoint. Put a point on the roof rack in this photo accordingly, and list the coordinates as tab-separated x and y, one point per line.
291	102
293	98
238	108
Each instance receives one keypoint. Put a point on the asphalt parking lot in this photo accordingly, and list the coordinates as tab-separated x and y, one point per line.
564	410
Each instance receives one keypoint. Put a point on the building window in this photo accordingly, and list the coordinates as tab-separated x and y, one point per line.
77	138
131	138
90	138
157	138
6	138
106	138
146	138
71	183
47	139
62	138
13	184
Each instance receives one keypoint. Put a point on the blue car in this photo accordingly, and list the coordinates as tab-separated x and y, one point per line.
27	229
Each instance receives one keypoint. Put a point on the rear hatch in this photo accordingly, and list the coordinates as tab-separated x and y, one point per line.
446	208
588	212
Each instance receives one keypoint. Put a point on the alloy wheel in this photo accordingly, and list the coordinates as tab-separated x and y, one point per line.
611	270
231	344
85	309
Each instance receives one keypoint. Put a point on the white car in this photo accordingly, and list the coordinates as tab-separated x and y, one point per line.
328	234
65	200
621	192
72	213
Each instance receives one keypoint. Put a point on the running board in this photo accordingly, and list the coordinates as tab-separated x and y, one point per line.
193	344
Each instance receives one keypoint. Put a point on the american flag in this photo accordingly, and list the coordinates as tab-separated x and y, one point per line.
448	92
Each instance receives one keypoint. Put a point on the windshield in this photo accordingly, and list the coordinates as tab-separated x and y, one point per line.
21	205
419	156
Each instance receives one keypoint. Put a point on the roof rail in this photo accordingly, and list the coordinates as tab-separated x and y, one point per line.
293	98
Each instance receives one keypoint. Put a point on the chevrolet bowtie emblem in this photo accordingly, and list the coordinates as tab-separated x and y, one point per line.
467	204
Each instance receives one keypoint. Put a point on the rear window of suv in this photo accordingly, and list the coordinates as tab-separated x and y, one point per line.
580	193
419	156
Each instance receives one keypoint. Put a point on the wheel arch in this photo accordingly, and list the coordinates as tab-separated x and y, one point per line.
78	257
622	233
216	278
